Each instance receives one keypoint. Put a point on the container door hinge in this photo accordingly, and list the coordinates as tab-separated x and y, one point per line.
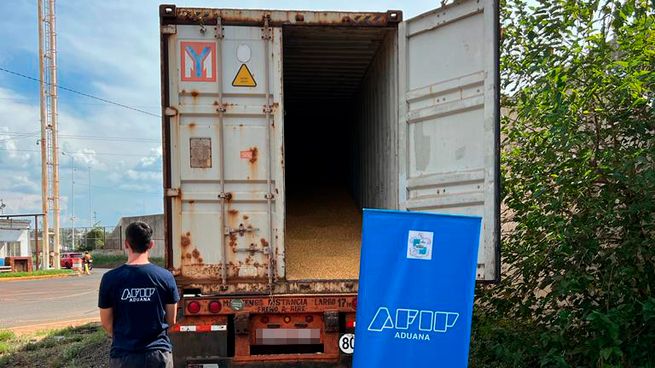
267	30
219	28
225	196
220	108
172	192
268	109
170	111
169	29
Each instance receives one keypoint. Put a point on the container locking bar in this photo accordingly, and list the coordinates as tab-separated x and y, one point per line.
240	230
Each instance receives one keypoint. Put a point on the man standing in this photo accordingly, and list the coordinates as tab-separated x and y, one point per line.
138	303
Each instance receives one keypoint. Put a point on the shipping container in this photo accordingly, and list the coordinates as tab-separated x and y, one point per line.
279	127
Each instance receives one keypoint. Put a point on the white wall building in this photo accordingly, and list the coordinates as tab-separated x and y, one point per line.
14	238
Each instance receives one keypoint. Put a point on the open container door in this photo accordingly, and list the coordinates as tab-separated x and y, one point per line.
449	140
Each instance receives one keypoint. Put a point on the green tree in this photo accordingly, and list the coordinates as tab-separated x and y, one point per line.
93	239
579	188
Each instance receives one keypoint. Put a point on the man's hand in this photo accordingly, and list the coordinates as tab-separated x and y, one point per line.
171	314
107	320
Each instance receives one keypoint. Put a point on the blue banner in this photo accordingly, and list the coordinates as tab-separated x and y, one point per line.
416	285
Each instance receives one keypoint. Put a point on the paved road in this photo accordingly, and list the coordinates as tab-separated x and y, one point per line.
35	302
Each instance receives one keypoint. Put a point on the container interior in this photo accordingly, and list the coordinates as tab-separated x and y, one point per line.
338	86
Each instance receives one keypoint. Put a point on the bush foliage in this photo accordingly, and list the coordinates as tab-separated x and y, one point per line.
578	165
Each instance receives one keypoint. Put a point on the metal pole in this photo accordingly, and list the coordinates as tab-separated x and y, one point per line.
36	241
90	201
55	131
221	152
44	133
268	38
72	202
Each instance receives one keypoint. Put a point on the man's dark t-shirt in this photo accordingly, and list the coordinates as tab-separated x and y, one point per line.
138	295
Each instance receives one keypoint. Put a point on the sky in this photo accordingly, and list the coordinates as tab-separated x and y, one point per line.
110	157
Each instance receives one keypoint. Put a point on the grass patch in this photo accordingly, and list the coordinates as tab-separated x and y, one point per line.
113	261
35	273
6	335
83	346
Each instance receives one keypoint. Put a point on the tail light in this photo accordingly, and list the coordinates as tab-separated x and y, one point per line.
215	307
287	319
193	307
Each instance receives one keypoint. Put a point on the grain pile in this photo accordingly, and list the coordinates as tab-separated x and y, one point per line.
323	236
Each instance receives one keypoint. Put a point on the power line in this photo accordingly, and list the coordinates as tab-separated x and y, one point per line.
81	93
29	99
81	153
79	137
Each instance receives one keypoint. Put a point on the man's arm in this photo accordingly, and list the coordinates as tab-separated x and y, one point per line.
107	320
171	314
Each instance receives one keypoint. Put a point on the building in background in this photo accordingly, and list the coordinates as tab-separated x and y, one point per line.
115	240
14	238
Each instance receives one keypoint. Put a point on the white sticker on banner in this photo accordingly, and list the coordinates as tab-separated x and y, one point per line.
347	343
419	245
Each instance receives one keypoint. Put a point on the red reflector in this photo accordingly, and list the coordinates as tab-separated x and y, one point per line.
287	319
203	328
354	303
350	324
215	306
193	307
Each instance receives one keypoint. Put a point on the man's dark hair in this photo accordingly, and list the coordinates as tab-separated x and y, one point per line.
139	235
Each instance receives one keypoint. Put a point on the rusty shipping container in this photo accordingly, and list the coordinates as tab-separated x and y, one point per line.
278	128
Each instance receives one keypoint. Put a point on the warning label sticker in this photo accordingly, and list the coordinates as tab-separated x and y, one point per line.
244	78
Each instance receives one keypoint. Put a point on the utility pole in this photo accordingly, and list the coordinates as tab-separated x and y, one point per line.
72	201
91	213
49	130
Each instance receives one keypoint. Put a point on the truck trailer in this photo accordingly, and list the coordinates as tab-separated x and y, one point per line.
278	127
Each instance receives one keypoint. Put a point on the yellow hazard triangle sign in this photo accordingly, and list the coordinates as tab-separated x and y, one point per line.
244	78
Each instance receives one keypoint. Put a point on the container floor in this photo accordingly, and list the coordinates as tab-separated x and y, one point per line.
323	235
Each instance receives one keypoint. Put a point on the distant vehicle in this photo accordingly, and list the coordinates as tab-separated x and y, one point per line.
67	259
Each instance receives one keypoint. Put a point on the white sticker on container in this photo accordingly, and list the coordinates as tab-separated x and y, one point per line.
244	53
347	343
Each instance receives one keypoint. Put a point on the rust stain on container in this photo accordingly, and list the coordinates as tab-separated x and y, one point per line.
186	240
245	217
192	125
252	155
194	93
196	253
264	242
233	242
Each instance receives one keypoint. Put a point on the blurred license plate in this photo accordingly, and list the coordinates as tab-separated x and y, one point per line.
288	336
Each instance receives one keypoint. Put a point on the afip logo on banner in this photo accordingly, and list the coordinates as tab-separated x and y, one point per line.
416	284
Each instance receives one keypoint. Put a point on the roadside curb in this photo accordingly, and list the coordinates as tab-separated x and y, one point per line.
38	277
22	330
